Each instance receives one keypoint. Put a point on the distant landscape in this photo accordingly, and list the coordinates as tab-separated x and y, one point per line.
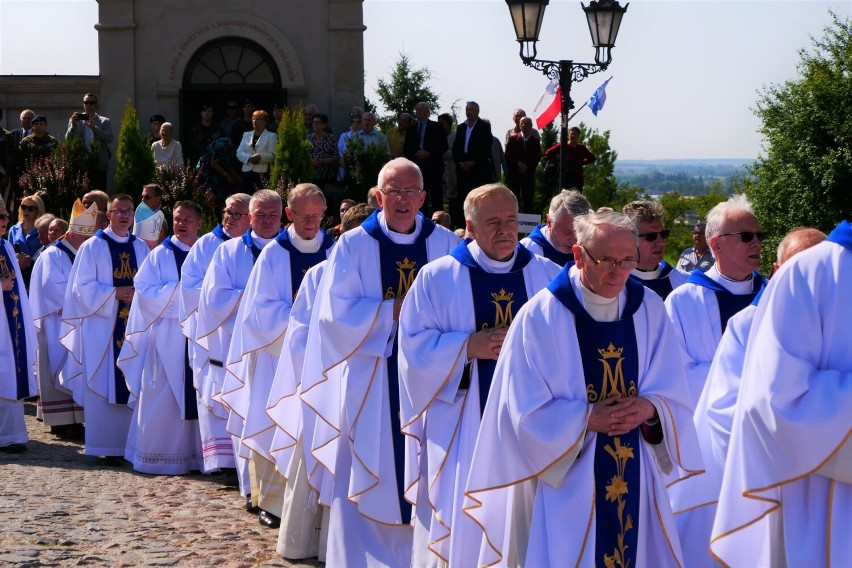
689	177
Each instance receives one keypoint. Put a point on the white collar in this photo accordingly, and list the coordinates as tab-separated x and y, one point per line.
487	263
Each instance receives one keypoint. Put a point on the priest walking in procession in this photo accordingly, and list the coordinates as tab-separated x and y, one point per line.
94	319
451	331
589	410
555	239
368	274
164	438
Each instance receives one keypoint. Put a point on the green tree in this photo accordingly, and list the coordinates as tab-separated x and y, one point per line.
134	160
681	212
805	176
600	185
292	163
404	89
363	163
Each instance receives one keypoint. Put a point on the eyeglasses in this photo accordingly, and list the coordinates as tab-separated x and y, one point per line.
234	215
90	102
611	263
409	193
306	218
746	236
3	216
651	237
122	212
29	208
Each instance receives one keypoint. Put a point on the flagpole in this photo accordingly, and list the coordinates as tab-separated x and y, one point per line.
578	110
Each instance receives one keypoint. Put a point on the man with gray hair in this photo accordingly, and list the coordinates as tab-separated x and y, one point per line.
554	240
451	331
216	448
371	136
221	292
654	272
261	323
589	411
353	329
714	414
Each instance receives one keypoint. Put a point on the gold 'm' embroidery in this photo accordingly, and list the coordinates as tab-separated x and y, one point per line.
124	271
4	269
503	315
615	493
407	271
613	381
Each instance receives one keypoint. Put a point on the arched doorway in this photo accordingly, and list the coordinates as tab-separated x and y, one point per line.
228	69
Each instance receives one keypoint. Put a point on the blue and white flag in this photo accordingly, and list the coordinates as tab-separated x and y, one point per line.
598	99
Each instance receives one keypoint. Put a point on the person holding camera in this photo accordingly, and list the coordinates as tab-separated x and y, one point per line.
91	126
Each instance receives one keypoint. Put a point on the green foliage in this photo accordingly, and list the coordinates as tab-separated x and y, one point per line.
134	159
64	176
178	184
405	88
599	178
682	211
363	163
292	163
806	175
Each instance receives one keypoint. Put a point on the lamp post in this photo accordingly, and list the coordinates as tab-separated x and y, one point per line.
604	18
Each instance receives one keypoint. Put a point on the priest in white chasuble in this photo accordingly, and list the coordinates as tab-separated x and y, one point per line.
700	310
94	318
451	330
554	240
221	293
589	411
17	347
304	520
48	283
216	446
164	438
259	333
787	488
368	274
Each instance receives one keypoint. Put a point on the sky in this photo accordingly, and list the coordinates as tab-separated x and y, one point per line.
686	73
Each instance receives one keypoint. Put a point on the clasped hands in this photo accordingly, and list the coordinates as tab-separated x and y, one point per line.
617	415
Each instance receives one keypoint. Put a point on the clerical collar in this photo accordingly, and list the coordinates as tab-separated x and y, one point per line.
400	238
600	308
489	264
736	287
260	241
304	245
647	274
180	244
111	234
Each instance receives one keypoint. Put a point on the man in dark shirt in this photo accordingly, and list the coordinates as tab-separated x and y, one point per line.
523	151
576	156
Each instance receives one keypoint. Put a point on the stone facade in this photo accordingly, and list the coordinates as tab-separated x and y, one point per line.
168	57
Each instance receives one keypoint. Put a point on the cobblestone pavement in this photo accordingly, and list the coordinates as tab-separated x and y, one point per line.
59	507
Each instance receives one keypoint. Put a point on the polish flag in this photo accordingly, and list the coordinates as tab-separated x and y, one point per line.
548	105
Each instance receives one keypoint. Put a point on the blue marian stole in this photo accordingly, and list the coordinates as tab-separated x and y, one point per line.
729	304
496	299
548	250
842	235
190	403
399	265
301	262
611	366
15	320
60	244
220	233
662	284
124	266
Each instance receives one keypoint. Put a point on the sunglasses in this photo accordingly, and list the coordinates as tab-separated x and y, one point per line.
747	236
29	208
3	216
90	102
651	237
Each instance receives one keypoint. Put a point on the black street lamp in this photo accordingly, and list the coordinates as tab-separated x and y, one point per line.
604	17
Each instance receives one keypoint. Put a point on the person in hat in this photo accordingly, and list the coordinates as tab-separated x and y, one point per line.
47	292
17	342
39	145
149	225
201	135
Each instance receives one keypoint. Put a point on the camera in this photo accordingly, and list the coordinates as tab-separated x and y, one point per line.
83	116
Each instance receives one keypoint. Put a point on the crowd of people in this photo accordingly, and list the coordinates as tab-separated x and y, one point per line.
392	393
